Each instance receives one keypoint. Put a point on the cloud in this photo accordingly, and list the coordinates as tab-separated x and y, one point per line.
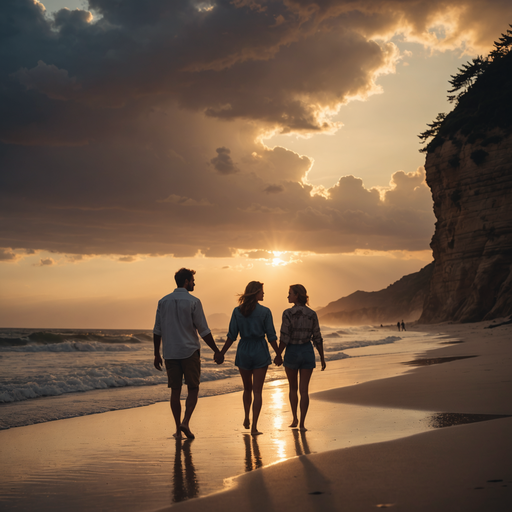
278	163
407	190
140	132
185	201
49	80
229	60
440	25
256	255
74	258
6	254
223	162
232	62
217	251
351	194
46	262
274	189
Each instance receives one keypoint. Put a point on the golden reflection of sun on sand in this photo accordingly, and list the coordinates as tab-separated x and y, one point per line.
280	447
277	403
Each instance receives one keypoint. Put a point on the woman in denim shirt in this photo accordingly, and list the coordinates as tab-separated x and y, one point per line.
253	322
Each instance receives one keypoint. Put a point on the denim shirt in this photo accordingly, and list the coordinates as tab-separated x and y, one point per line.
254	326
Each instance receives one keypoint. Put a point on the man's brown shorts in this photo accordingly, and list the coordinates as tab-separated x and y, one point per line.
190	368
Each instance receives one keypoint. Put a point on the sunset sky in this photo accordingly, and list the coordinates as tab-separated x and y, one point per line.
247	139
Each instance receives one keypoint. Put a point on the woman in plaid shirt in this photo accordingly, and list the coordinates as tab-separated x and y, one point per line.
300	330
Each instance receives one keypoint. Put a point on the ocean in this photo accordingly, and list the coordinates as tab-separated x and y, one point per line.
47	375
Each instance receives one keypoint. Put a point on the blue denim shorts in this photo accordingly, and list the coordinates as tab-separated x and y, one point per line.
252	354
299	357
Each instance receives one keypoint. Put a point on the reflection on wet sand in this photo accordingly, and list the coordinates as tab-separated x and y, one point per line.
301	444
253	458
185	484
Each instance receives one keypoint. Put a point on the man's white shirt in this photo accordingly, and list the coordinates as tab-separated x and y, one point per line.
179	319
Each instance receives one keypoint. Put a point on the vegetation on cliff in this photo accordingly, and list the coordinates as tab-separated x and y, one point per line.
481	92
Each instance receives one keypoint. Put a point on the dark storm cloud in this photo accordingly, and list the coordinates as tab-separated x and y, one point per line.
233	61
108	128
230	62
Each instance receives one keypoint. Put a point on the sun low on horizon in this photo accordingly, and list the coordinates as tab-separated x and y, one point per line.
252	140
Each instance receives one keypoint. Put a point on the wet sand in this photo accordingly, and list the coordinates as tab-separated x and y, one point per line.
370	443
466	466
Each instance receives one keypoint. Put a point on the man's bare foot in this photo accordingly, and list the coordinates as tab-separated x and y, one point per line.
303	429
256	433
294	423
187	432
177	435
247	423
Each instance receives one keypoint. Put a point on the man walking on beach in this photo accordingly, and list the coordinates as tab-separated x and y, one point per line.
179	318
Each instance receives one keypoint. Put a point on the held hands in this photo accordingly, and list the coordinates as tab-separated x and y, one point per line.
278	360
219	356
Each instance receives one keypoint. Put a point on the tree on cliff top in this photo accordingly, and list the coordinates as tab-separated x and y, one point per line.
481	93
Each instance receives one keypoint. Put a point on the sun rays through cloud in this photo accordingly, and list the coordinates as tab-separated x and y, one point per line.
245	138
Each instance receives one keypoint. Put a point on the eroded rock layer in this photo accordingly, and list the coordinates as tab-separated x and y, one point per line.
471	183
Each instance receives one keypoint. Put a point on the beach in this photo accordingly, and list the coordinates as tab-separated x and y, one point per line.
378	437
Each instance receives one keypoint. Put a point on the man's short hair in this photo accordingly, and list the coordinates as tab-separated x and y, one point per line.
183	274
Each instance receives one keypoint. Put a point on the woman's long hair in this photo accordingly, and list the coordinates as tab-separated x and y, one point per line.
301	292
248	299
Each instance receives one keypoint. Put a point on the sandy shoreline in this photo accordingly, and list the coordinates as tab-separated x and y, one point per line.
465	467
126	460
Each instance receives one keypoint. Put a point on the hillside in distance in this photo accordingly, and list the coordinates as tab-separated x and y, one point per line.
402	300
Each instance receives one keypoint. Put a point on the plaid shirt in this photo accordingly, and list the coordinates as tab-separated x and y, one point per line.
300	325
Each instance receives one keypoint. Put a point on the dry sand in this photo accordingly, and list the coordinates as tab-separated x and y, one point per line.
127	460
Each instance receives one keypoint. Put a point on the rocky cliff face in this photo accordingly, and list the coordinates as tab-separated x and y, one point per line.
471	183
402	300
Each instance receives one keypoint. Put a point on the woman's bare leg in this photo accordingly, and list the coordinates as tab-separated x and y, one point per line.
257	388
305	377
293	386
247	396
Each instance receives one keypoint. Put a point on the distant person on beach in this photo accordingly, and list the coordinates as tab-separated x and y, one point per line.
253	321
299	328
403	326
398	325
179	318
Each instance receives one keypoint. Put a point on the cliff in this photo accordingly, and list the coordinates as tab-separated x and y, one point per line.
402	300
472	243
469	170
